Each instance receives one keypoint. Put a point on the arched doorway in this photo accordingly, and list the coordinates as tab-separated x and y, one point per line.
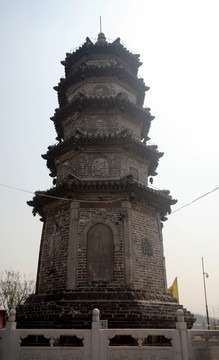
100	253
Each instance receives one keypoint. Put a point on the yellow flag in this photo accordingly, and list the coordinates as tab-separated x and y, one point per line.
173	289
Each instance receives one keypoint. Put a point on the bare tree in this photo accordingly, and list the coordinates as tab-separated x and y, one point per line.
14	289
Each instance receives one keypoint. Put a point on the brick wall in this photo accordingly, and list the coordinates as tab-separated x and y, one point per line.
147	254
101	163
106	87
54	247
103	215
148	263
100	123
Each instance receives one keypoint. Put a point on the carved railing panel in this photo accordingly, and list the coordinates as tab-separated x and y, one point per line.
30	344
140	354
141	344
50	354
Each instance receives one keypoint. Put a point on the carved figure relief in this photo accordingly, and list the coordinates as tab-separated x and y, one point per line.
134	172
100	250
65	169
100	167
147	247
100	90
54	243
55	229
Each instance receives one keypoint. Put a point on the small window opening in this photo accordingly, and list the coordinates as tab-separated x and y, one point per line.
68	341
153	340
123	340
35	340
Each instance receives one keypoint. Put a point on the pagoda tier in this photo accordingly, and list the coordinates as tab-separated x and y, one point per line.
122	140
101	243
111	113
102	50
86	72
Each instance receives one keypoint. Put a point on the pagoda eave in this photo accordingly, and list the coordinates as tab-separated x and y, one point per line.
115	48
118	102
129	189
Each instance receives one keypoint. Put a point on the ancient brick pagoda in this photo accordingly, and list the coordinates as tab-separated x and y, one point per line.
101	243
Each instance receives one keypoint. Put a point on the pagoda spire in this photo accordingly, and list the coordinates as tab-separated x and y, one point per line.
100	25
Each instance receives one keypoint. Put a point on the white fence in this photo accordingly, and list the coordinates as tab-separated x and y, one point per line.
100	343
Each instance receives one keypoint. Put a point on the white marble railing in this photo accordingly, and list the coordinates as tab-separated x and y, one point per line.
101	343
203	344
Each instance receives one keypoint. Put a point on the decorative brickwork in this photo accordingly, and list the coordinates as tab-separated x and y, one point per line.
101	243
100	123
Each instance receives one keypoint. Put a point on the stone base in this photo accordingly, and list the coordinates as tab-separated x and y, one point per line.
122	309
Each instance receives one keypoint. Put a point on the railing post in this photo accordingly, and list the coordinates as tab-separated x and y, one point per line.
7	337
95	335
182	327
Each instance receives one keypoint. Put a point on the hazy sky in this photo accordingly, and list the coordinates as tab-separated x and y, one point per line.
178	44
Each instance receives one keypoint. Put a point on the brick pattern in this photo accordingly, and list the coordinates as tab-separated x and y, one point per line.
100	123
101	163
122	309
53	261
148	270
104	88
101	60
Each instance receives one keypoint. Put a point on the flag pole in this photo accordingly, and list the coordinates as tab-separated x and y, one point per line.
206	303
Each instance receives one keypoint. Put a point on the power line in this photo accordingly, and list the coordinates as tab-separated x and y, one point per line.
200	197
36	193
57	197
111	201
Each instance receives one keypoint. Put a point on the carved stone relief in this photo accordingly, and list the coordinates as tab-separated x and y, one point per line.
50	354
55	228
65	169
100	90
101	124
147	247
140	354
99	167
134	172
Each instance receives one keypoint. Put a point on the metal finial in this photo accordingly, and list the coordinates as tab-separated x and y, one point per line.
100	25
